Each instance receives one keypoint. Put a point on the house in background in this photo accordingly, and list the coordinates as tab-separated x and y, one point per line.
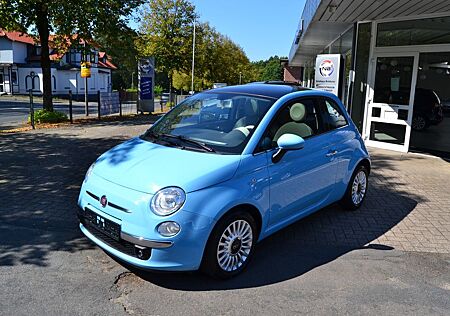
20	68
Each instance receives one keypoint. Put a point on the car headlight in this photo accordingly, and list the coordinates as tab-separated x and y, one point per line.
167	201
89	171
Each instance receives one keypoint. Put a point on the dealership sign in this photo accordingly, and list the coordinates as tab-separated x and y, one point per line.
146	72
327	73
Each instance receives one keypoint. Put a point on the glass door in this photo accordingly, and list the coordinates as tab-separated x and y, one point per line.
1	83
390	100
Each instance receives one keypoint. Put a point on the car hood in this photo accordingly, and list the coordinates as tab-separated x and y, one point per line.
148	167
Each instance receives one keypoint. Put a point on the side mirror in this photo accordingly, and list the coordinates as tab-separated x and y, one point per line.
290	142
287	142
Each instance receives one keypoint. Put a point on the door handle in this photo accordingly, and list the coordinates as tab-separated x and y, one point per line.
331	153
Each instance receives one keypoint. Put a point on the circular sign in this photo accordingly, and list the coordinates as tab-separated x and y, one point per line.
326	68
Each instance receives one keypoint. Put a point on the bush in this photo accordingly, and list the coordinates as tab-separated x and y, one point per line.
44	116
170	104
158	90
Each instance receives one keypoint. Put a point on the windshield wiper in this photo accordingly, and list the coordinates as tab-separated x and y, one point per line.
201	145
191	141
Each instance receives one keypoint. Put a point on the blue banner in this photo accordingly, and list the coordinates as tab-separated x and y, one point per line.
146	91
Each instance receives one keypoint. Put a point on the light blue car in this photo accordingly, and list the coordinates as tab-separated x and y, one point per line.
221	171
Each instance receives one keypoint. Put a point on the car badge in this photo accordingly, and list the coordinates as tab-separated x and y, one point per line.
103	201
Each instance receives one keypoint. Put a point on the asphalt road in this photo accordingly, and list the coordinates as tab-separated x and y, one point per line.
47	267
14	113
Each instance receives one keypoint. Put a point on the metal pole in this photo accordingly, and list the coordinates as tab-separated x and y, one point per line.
120	104
31	109
70	107
193	61
98	103
240	77
86	101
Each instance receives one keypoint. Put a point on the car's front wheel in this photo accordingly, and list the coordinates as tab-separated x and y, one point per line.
230	246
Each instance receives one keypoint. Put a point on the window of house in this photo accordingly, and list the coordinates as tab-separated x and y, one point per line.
14	77
37	50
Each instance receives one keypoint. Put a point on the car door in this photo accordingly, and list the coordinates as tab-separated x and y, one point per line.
340	135
302	180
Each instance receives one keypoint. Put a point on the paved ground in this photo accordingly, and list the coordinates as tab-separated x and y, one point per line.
390	257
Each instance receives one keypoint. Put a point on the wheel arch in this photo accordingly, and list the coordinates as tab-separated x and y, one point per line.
249	208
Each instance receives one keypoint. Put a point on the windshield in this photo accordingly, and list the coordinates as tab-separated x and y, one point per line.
214	122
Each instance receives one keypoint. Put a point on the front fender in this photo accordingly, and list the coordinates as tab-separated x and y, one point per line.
249	186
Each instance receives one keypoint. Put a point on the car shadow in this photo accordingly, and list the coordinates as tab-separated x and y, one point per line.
315	240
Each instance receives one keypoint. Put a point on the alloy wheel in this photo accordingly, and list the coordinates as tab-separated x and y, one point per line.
235	245
359	187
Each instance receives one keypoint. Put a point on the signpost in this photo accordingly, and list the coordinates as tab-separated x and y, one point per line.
328	73
146	75
86	73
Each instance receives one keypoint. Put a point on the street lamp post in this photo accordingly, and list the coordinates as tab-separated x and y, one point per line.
240	77
193	61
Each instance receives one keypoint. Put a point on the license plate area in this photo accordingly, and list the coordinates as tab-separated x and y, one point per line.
102	224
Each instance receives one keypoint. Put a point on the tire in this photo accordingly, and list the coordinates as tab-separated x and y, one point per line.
420	123
232	255
357	189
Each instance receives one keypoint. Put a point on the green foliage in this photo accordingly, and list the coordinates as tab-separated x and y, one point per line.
158	90
122	49
166	30
44	116
269	69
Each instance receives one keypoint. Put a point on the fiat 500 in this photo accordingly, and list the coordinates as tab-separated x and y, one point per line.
221	171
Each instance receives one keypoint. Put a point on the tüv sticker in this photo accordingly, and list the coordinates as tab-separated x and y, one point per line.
326	68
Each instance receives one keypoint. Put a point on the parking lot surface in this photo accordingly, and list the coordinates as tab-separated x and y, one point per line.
392	256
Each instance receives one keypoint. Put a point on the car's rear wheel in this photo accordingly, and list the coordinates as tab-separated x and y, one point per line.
230	246
357	189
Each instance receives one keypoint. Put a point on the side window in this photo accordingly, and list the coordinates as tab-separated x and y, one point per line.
299	117
332	116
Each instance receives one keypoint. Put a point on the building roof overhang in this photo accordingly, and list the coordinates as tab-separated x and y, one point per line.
323	21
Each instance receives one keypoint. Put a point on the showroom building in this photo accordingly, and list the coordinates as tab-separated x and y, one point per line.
392	62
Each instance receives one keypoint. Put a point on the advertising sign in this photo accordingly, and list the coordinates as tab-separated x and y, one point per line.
85	69
146	72
327	73
109	103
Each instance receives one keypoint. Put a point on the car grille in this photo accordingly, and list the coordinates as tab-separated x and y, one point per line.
120	245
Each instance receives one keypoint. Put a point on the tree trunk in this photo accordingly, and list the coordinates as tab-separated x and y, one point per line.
44	32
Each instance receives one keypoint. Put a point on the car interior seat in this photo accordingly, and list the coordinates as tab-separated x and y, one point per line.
297	125
249	114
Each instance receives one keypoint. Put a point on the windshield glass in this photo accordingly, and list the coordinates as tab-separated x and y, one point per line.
214	122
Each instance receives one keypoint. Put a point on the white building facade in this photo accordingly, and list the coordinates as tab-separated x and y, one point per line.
20	68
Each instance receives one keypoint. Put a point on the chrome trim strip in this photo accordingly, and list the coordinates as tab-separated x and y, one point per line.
141	241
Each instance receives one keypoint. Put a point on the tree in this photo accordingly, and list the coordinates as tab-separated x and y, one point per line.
270	69
122	49
217	59
166	31
86	18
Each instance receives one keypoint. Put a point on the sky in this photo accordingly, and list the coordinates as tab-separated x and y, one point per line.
263	28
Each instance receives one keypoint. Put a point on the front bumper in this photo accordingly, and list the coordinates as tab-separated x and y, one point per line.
138	233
